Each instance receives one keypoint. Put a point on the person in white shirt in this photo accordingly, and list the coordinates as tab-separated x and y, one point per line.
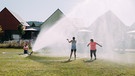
73	47
26	48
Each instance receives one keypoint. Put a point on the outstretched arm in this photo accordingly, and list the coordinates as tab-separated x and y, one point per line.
68	41
99	45
88	45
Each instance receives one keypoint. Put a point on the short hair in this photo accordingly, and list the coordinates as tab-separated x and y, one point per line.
91	40
73	37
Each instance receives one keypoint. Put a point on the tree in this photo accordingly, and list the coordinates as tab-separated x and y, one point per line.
1	29
21	30
33	25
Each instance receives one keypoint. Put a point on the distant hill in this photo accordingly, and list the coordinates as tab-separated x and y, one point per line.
37	23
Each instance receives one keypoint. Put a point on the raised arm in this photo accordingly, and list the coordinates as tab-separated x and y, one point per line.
69	41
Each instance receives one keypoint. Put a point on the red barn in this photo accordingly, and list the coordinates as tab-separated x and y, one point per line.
9	22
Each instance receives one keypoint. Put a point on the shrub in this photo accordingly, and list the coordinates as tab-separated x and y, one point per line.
12	44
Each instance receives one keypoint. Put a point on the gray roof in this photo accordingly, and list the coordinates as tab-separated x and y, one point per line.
57	15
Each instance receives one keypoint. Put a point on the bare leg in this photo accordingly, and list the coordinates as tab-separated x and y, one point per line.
70	55
75	54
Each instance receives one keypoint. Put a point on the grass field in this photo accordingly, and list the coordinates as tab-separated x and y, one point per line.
13	64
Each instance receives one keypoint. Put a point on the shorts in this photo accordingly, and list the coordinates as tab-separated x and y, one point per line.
73	50
25	51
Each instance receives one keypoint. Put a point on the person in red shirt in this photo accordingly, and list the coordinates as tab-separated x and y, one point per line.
93	49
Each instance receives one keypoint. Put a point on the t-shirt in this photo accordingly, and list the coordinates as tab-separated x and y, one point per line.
92	45
25	48
73	46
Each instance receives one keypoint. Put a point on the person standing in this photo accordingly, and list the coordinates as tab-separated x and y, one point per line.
93	49
26	48
73	47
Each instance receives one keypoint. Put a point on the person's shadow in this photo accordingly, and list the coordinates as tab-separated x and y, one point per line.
86	61
67	61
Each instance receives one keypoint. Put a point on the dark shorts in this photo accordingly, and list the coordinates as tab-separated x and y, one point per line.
93	51
25	51
73	50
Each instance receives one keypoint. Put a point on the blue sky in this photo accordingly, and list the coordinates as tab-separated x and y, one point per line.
37	10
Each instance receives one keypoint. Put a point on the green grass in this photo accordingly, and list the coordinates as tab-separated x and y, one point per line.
13	64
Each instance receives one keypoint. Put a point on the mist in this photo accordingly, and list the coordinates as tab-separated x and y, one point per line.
104	21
